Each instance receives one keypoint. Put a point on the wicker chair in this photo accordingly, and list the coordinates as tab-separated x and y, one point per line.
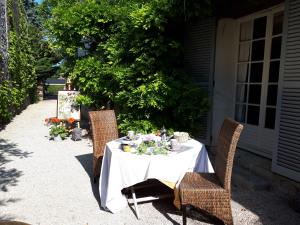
211	192
104	129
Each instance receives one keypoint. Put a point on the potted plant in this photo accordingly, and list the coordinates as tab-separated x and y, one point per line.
58	131
70	123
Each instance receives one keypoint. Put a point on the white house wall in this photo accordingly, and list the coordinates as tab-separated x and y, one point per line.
224	76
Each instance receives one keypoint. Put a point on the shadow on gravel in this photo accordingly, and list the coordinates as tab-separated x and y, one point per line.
49	97
269	206
86	161
9	177
166	208
5	202
8	218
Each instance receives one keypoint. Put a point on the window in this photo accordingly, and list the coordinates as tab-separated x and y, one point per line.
272	88
258	70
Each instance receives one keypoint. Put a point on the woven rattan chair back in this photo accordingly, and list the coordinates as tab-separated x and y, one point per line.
226	146
104	129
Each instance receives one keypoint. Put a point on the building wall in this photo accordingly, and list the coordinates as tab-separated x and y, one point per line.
286	155
224	76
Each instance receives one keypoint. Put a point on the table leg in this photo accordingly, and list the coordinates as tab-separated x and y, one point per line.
184	209
135	203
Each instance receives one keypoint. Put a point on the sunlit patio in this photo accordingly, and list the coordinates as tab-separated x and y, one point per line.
46	182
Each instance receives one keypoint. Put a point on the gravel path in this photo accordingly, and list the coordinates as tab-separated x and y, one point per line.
48	183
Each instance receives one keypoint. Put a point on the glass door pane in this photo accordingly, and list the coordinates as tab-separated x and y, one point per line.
246	31
277	23
250	70
274	67
259	29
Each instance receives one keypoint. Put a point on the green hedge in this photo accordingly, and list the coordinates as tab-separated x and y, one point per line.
53	89
135	59
15	92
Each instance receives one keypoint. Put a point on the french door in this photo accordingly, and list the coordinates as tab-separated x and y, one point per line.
257	76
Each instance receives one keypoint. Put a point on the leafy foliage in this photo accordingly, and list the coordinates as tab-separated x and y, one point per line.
152	148
9	100
22	84
128	55
30	58
45	56
59	130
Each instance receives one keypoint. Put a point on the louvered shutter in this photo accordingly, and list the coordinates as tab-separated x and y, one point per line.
199	62
286	159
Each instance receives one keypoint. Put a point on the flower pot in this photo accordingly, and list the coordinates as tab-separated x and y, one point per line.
57	138
76	134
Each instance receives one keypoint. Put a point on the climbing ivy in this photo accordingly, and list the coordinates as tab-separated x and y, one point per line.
22	84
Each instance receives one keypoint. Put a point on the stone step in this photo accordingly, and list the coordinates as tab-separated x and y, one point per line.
262	172
255	164
250	160
245	179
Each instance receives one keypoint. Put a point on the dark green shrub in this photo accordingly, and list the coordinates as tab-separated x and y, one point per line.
134	60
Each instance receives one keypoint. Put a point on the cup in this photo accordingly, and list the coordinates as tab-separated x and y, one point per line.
174	144
185	136
176	133
126	148
181	137
130	134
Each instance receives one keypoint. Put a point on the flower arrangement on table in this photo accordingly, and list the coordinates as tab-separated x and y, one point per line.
147	144
154	144
152	148
59	128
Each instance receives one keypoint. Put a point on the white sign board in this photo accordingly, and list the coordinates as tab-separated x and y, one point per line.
66	105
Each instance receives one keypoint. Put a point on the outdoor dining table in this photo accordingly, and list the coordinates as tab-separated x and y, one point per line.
124	169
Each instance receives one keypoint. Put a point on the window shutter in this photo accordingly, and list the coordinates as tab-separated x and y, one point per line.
199	62
286	159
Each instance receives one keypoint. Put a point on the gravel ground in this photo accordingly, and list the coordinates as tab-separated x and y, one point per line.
46	182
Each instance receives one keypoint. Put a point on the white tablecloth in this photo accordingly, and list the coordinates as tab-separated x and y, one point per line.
123	169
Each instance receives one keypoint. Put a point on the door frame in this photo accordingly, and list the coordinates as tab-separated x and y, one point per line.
273	133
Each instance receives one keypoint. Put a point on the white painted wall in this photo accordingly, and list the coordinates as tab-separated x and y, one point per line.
224	77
